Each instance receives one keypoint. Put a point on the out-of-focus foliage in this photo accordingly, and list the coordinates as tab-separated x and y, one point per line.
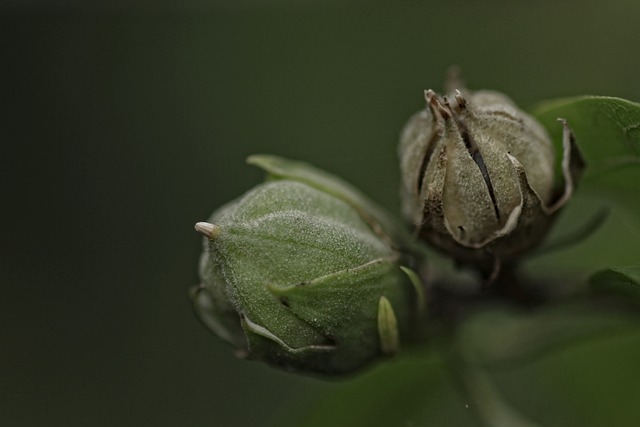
623	281
562	385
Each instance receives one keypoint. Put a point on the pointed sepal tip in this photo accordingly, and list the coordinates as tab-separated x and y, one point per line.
210	231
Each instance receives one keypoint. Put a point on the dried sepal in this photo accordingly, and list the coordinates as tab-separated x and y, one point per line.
419	287
387	327
478	178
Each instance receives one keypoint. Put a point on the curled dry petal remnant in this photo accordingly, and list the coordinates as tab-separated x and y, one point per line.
478	177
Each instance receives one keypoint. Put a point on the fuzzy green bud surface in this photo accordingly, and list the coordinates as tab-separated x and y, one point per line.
300	274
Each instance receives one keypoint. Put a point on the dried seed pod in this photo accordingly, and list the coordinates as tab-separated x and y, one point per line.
299	272
478	176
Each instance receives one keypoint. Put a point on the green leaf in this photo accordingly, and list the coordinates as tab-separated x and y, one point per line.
607	130
623	281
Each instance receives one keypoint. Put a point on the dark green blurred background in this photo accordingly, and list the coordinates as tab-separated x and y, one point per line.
125	123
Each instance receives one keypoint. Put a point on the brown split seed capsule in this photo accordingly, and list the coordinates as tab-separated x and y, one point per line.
477	176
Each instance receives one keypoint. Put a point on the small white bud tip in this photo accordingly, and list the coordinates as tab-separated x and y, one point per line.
208	230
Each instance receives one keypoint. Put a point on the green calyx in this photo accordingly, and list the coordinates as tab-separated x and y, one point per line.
299	273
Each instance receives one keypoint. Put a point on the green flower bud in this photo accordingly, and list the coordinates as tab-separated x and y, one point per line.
300	274
478	176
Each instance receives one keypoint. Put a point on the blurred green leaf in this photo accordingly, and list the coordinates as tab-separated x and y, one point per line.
495	373
413	389
623	281
499	336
